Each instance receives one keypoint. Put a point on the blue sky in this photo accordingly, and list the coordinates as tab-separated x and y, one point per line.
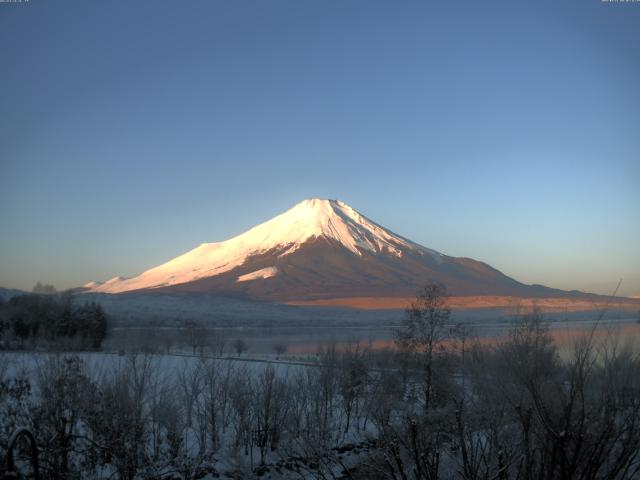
503	131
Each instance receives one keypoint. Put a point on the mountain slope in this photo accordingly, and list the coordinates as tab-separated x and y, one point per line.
7	294
319	249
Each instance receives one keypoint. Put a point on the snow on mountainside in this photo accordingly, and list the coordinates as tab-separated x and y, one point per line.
319	249
258	274
311	219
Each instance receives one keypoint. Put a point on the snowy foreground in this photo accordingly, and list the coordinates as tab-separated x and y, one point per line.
186	416
524	406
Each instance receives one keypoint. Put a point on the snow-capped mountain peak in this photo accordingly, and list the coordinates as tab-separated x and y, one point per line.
319	250
331	219
284	234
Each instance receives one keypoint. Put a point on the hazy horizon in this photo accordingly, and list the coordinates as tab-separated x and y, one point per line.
132	132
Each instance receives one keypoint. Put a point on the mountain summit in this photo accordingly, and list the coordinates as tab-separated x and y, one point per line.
319	249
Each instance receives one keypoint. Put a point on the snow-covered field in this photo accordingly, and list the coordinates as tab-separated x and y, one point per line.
257	415
228	418
98	363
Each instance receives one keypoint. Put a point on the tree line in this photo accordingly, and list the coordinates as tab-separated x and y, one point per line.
52	321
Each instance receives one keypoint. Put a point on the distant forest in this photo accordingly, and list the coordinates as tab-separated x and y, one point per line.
51	321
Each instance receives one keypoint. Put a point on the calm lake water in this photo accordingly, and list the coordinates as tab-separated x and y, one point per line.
305	340
309	340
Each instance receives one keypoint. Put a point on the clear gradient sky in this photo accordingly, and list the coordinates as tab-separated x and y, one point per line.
509	132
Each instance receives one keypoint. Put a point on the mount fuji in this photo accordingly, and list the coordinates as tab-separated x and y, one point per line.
320	250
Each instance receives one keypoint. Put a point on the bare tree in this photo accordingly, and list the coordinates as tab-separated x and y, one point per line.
240	346
423	331
241	397
280	349
272	404
196	336
217	342
352	382
190	382
120	420
65	392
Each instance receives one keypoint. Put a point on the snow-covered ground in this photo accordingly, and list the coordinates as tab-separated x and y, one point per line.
175	375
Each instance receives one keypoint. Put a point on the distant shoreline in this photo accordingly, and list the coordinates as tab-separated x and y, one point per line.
557	304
